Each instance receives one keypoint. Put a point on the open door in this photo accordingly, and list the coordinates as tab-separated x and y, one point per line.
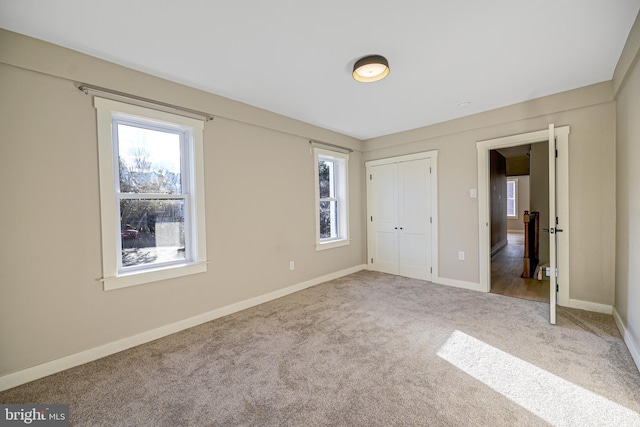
553	220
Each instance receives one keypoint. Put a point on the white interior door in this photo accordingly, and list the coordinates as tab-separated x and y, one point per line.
414	228
553	227
383	222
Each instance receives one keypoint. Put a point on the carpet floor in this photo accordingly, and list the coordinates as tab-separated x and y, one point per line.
368	349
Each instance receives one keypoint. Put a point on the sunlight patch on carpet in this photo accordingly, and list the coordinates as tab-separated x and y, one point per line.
548	396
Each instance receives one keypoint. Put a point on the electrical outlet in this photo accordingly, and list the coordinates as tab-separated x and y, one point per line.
461	256
292	265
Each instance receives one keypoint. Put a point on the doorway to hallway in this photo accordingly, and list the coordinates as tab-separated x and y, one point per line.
559	272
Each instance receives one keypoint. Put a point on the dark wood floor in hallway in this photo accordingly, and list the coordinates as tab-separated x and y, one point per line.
506	273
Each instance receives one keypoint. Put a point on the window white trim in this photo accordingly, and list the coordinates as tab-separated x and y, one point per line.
515	198
341	177
112	277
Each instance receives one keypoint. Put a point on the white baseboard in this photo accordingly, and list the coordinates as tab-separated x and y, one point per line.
590	306
458	284
48	368
633	347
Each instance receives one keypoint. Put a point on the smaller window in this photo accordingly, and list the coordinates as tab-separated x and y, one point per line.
332	227
512	198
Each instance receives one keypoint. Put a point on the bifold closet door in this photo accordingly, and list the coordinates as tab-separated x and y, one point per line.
400	218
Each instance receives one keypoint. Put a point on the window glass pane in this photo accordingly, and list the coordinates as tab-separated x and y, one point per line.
325	173
328	219
511	198
152	231
511	189
149	160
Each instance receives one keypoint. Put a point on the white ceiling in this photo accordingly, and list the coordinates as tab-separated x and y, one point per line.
295	57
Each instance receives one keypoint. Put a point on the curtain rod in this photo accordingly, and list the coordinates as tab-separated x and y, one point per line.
88	88
312	142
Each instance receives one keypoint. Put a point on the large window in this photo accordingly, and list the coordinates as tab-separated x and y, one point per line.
332	228
152	195
512	198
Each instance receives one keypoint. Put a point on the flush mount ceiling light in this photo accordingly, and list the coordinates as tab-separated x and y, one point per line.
371	68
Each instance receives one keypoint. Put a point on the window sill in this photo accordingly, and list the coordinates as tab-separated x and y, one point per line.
332	244
148	276
512	217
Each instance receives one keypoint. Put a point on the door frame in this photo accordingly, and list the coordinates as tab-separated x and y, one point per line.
433	155
562	204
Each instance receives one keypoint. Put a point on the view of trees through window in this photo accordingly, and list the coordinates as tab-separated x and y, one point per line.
152	208
328	201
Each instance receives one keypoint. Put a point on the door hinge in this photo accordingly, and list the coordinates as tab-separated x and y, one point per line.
556	153
431	269
430	220
371	260
429	169
557	288
370	177
371	218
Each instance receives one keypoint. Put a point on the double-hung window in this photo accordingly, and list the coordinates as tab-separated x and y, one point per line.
512	198
332	216
151	193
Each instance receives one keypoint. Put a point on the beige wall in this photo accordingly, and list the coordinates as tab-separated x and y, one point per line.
259	208
518	165
627	298
590	112
523	203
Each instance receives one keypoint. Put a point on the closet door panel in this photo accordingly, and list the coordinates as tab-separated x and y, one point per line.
415	219
384	218
399	224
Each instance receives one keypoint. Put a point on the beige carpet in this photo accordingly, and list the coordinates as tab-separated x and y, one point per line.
367	349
